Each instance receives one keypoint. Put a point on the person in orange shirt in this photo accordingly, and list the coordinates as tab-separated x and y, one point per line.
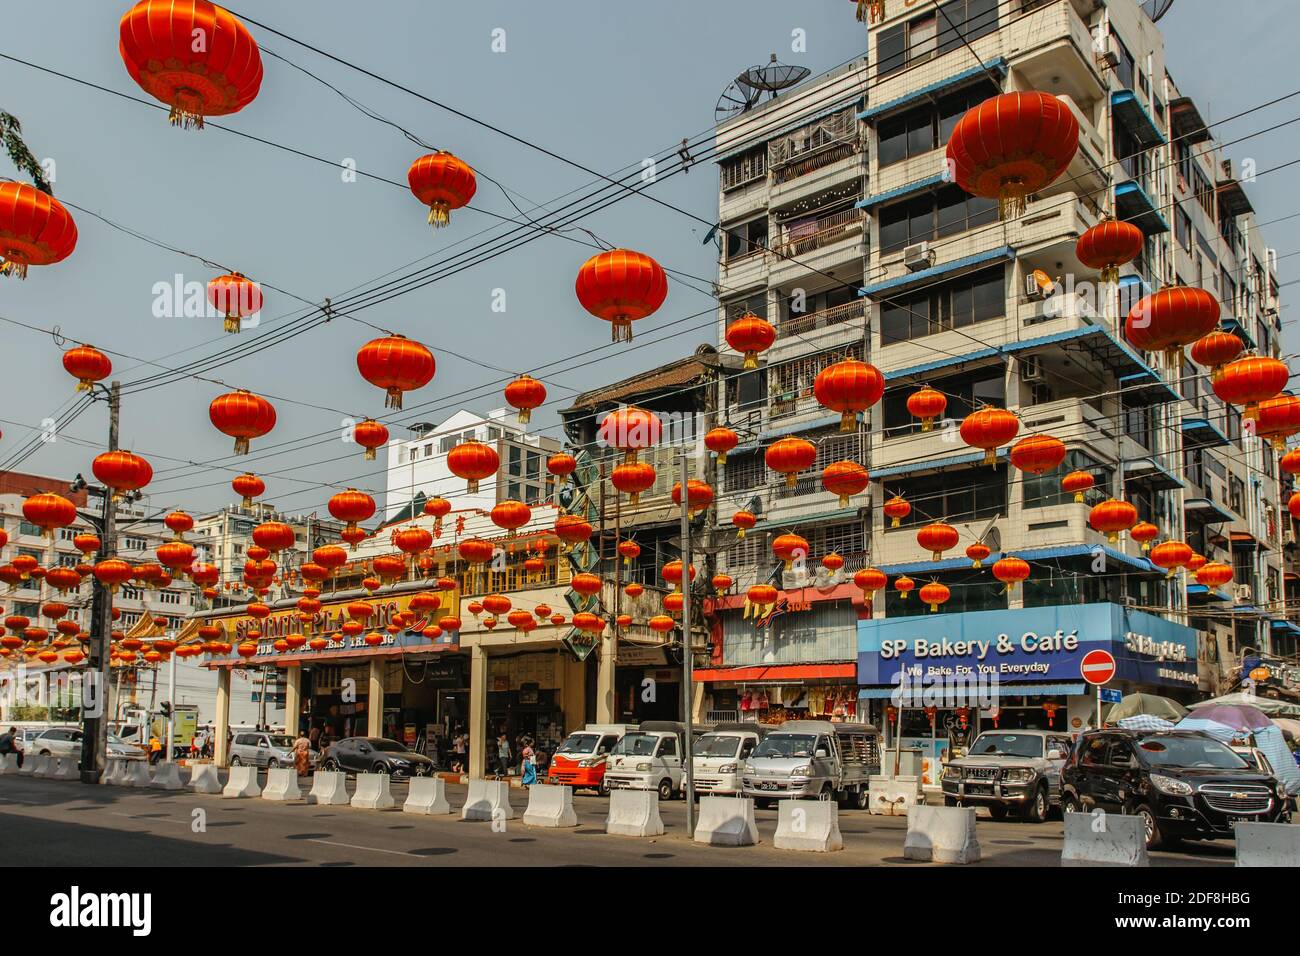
155	749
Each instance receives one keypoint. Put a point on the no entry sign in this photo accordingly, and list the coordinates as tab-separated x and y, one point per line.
1097	667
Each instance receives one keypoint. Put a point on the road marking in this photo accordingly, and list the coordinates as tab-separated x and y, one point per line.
372	849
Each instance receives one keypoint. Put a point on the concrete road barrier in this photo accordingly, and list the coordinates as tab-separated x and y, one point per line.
427	795
137	774
634	813
726	821
282	785
329	788
167	776
941	834
373	792
204	779
812	825
1104	839
8	763
550	806
115	774
242	783
65	768
892	796
41	765
1268	844
488	800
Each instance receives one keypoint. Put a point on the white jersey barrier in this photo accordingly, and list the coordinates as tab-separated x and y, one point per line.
8	763
204	779
282	785
1104	839
167	776
329	788
726	821
812	825
427	795
40	765
941	834
115	775
550	806
488	800
373	792
242	783
137	774
65	768
634	813
1268	844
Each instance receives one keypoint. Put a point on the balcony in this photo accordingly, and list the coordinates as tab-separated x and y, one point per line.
800	237
819	245
748	271
802	324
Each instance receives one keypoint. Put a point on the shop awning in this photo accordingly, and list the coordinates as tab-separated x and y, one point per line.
1004	690
801	520
775	672
946	85
1280	625
1151	473
1135	206
908	189
1206	511
1234	326
1201	592
904	282
936	464
1142	388
1185	121
1243	539
1202	433
1133	115
1232	199
1081	551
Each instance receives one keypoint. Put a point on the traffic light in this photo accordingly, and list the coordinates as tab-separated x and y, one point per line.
166	708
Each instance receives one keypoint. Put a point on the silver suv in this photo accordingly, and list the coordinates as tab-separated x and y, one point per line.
66	742
1008	770
260	749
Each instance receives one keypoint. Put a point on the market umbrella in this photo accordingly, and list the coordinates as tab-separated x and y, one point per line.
1289	726
1242	717
1144	722
1220	732
1148	705
1266	705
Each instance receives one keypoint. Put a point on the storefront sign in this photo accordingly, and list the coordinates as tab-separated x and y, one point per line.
631	656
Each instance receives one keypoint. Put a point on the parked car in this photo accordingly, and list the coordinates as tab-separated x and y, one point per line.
717	757
649	758
1183	784
260	749
814	758
580	761
377	755
66	742
1009	770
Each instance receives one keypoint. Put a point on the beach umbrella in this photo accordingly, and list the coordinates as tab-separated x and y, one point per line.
1149	705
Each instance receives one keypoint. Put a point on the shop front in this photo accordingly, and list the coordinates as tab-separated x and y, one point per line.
938	681
648	684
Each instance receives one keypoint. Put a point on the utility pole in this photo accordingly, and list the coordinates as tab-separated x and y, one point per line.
94	740
687	675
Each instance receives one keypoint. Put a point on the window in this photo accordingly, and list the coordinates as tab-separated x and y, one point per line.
743	169
973	298
746	238
27	528
928	127
135	544
428	450
1183	228
949	28
415	453
1044	491
965	393
944	212
743	472
1127	67
956	496
516	466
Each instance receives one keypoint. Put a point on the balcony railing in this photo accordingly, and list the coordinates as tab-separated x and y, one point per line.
800	324
810	164
810	235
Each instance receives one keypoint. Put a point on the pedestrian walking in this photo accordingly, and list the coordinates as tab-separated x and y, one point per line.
9	744
302	755
529	763
503	755
155	749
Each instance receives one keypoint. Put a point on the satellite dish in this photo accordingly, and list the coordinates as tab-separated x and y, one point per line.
993	539
735	99
1156	9
772	78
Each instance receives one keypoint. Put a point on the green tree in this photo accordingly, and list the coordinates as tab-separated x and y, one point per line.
11	132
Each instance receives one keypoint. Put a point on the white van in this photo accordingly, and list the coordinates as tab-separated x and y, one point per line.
581	760
650	758
718	756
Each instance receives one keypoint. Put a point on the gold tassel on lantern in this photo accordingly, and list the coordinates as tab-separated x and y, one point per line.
439	214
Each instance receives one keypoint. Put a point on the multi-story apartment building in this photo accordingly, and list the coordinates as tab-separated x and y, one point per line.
927	283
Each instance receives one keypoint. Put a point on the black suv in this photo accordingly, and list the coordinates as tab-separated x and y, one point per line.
1183	784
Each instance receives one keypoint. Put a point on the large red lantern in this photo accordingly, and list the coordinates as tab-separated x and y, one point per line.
572	529
743	520
442	182
762	597
927	404
1077	483
473	461
192	55
621	286
848	387
672	574
370	435
896	509
561	465
789	456
352	507
749	335
176	555
49	511
699	495
396	364
870	580
243	416
1251	380
35	229
937	538
1011	571
511	515
1012	145
274	536
1278	419
437	508
845	479
1214	575
789	547
525	393
1038	454
1111	517
1170	319
1216	350
935	594
87	365
178	522
1169	556
977	552
1109	245
631	430
122	472
989	428
113	572
1144	532
475	551
248	486
721	440
236	297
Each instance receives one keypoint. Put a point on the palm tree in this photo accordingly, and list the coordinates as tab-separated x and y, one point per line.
11	133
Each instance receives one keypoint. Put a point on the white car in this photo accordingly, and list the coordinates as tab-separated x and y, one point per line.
66	742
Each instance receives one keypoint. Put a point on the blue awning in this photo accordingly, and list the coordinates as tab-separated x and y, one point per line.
1200	591
1201	433
948	268
1236	328
939	86
813	425
1130	111
803	520
1135	206
1206	511
1153	474
935	464
1277	624
905	190
1004	690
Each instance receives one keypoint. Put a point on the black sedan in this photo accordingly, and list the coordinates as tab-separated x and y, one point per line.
376	755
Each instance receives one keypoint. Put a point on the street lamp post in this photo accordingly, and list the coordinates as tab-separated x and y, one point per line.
687	676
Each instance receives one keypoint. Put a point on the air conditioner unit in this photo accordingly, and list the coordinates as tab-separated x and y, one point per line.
1107	51
919	256
1242	593
1031	369
1034	291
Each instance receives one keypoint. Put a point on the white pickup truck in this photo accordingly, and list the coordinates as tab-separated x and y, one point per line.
650	758
717	757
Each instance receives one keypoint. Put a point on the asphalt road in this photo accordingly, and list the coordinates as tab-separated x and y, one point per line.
59	823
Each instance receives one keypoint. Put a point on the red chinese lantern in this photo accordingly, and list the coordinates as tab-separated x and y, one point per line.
1169	556
437	508
661	623
35	229
789	456
122	472
511	515
743	520
937	538
318	643
85	543
236	297
205	575
561	465
989	428
243	416
389	567
789	547
673	602
330	557
473	461
591	624
621	286
112	573
699	495
1010	146
178	522
896	509
720	440
246	649
177	555
496	604
1109	245
521	620
633	479
1196	562
722	583
442	182
629	550
935	594
1216	350
1038	454
475	551
274	536
762	597
1011	571
631	430
396	364
977	552
1077	483
624	621
352	507
370	435
672	574
588	585
450	624
49	511
64	579
749	335
927	404
1289	463
525	393
845	479
413	540
248	486
87	365
192	55
848	387
870	580
1170	319
26	565
1111	517
1214	575
1144	532
1251	380
832	562
1277	419
903	585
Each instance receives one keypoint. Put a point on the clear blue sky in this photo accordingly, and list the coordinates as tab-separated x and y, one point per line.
603	83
